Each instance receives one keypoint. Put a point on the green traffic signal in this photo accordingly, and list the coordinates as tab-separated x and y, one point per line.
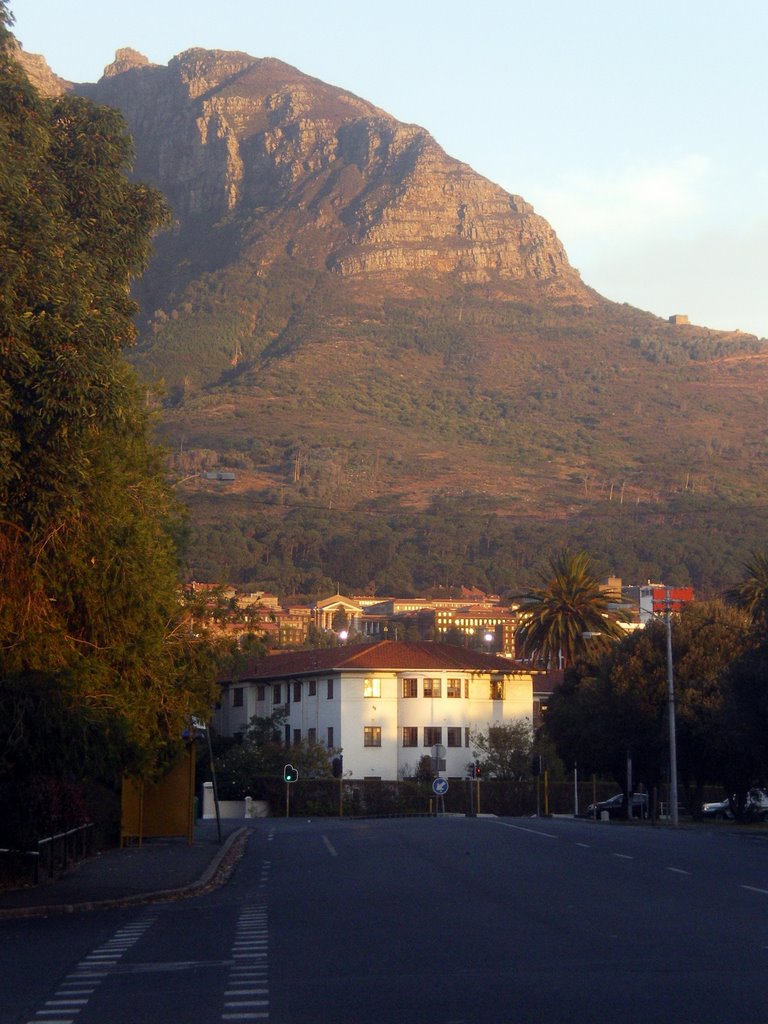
290	774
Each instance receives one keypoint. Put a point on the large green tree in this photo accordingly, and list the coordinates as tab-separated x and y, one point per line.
620	706
566	614
91	626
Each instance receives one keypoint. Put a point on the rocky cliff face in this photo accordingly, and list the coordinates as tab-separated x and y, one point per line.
316	172
40	75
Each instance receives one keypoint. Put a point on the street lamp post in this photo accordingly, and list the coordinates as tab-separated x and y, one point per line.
671	714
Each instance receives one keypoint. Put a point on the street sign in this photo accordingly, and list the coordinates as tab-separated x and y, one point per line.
440	787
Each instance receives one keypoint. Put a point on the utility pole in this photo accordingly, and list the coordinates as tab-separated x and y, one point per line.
671	710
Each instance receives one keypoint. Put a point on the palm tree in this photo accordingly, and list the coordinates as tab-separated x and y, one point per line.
751	593
560	618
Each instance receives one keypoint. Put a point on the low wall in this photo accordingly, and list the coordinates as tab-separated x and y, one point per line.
247	808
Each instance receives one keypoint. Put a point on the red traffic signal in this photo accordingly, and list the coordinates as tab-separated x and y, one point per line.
478	770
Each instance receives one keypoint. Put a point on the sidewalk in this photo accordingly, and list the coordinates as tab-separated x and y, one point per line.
136	874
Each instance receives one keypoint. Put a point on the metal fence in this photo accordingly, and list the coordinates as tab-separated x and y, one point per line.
51	857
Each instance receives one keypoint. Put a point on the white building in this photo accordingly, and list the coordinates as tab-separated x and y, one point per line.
384	705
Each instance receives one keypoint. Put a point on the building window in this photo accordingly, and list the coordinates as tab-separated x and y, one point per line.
261	692
312	687
311	735
454	735
372	688
237	697
296	736
454	688
410	688
410	736
466	689
466	737
330	689
497	689
329	744
296	693
431	687
433	734
277	694
372	736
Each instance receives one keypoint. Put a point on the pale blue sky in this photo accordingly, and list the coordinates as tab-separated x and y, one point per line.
636	128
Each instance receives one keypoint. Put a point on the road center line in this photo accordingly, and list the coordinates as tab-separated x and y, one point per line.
329	846
679	871
623	856
533	831
753	888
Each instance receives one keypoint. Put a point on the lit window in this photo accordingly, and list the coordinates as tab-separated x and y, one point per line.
372	736
372	688
431	687
497	689
454	688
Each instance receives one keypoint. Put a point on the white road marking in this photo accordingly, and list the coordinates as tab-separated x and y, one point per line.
329	846
106	958
753	888
533	831
679	871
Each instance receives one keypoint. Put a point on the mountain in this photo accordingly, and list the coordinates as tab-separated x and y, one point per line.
349	319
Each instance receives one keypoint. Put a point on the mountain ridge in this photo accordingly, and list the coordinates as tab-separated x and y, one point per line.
348	316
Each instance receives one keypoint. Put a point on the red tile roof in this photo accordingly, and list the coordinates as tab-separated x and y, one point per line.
386	654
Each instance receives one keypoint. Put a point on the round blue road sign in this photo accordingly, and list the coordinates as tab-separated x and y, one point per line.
440	786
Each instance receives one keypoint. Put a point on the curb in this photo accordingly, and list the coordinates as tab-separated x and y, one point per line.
225	859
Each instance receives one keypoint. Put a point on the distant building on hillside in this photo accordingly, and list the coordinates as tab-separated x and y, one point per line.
679	318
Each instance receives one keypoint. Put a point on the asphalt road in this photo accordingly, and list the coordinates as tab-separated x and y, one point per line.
454	920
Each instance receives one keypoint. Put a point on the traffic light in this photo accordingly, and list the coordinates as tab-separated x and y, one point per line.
337	766
471	769
290	774
478	770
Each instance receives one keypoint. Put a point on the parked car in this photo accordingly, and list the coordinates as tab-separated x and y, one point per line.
614	805
720	810
755	807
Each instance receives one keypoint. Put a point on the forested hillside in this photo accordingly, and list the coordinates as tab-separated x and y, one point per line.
393	354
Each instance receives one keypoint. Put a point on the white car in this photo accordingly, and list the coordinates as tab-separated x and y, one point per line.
755	808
